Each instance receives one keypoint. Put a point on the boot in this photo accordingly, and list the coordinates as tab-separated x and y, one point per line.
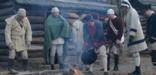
153	57
116	62
108	62
25	64
136	72
11	63
52	67
52	62
60	61
105	73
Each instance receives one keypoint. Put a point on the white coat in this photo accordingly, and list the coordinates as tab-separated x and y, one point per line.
16	34
134	28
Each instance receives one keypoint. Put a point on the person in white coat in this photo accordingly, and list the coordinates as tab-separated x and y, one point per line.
135	36
75	42
18	37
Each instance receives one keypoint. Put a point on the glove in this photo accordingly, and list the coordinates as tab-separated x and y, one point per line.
11	46
118	41
28	43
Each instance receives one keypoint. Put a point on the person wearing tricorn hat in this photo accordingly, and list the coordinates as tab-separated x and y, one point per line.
75	42
56	31
94	39
151	32
18	37
135	36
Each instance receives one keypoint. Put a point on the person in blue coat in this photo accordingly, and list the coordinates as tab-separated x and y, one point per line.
94	39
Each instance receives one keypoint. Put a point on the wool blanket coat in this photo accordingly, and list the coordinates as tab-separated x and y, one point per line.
134	29
55	27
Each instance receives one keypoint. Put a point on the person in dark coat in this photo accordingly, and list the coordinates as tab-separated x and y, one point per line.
94	39
151	32
115	35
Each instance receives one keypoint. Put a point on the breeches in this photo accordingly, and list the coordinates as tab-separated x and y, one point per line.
114	49
103	57
56	48
12	54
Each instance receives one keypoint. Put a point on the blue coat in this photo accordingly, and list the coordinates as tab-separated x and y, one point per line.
98	38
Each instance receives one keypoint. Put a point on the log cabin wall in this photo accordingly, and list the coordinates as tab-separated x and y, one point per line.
37	15
6	9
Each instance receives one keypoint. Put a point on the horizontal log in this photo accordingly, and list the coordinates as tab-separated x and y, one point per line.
35	55
34	8
35	51
3	58
2	18
2	39
35	12
37	27
7	11
36	19
2	25
143	22
2	32
4	1
37	40
38	33
4	52
3	45
5	6
36	47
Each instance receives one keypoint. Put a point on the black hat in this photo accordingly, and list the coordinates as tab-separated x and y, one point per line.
146	7
88	18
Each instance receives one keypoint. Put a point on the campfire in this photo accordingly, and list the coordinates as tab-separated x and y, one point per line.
74	71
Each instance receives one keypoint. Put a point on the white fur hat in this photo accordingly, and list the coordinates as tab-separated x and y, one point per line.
55	9
21	12
110	11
